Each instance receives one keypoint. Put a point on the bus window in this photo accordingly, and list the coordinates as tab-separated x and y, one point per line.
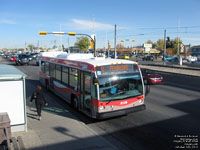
73	77
87	96
65	75
58	72
43	66
52	70
47	68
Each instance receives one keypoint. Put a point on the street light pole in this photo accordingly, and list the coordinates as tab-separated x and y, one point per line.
72	34
164	53
115	40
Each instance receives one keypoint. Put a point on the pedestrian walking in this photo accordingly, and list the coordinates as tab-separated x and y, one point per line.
39	100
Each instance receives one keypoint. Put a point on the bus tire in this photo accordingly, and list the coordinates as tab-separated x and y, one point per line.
75	102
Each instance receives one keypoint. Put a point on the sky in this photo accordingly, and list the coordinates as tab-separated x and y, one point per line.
139	20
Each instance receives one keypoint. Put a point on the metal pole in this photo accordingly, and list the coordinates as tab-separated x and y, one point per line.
178	39
108	48
164	53
68	46
115	40
94	46
61	40
25	47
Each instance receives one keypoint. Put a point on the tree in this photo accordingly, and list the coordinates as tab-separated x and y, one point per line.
63	47
175	45
31	47
169	43
160	44
82	43
120	46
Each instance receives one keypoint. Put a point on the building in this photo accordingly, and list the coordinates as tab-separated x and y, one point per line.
195	51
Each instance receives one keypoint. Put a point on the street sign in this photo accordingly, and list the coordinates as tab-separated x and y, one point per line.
93	36
132	40
121	40
127	40
182	49
148	45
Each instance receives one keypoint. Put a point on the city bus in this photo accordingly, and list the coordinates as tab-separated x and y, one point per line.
98	87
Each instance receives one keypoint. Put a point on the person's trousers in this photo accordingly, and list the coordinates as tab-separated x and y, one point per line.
39	109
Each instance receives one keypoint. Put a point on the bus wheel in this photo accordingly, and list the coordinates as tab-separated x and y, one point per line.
75	103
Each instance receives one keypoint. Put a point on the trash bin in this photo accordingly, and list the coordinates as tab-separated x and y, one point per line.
5	131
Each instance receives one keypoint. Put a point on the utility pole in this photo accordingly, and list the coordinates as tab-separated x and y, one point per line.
25	47
93	25
55	44
164	53
61	48
108	48
68	46
94	46
38	45
178	40
115	40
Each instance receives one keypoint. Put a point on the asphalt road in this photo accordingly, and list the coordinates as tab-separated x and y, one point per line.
172	113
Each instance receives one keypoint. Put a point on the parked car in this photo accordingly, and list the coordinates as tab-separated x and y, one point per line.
123	56
22	59
13	58
151	77
148	58
168	58
185	60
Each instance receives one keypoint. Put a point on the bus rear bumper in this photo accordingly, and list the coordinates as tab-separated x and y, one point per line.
120	112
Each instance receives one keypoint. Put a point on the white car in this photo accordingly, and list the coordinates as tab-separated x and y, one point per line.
192	58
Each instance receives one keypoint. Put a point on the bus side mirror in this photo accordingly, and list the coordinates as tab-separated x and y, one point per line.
146	87
96	81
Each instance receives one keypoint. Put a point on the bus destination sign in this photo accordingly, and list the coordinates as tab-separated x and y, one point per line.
115	69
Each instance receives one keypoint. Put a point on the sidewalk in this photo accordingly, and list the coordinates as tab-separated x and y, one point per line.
59	130
173	70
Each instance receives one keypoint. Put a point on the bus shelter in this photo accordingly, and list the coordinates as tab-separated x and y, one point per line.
13	96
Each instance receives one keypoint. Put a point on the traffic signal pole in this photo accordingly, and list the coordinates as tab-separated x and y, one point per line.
115	40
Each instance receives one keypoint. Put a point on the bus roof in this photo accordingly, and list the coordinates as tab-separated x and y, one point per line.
85	58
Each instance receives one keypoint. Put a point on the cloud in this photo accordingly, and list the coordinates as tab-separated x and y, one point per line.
87	25
5	21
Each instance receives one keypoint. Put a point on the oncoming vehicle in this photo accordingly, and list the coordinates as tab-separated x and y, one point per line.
98	87
123	56
148	58
151	77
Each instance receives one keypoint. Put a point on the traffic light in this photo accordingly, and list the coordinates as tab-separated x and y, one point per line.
109	46
71	33
92	44
42	33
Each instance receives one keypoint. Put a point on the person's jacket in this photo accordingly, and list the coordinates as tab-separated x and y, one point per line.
38	97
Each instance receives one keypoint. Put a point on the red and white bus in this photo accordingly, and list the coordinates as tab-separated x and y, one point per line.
99	87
